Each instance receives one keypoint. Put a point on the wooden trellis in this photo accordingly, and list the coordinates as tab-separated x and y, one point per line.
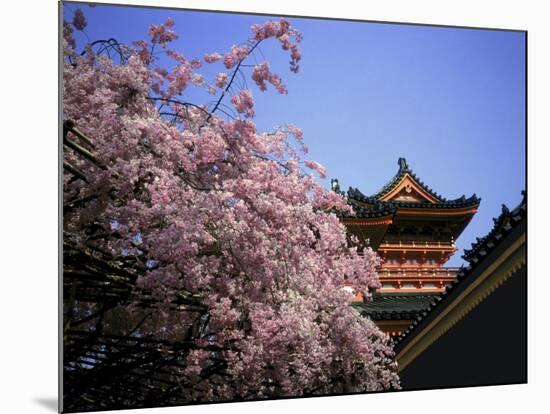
102	370
69	127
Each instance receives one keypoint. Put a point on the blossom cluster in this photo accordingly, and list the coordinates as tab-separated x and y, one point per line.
212	57
262	73
244	103
223	216
221	80
79	20
162	34
235	55
283	31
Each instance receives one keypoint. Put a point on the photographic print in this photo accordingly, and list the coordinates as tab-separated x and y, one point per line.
263	207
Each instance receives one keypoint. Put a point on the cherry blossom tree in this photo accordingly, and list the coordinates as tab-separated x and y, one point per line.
236	249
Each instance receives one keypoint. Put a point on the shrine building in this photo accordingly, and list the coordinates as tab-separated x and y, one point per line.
432	311
413	230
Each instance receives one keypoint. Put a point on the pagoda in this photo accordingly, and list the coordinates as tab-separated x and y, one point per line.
413	230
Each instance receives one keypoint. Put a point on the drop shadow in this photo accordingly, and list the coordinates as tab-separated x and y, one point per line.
49	403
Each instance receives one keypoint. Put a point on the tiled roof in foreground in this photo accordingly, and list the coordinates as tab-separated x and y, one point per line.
502	224
507	226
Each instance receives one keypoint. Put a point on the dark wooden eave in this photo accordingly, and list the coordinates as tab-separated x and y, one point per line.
492	260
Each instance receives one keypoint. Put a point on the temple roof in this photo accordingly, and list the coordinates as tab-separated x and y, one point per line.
421	196
394	307
507	226
404	199
398	177
358	200
377	209
502	224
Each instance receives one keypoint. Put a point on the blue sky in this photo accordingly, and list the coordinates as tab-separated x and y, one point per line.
451	101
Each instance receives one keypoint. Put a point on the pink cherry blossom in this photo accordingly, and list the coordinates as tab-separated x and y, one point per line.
143	50
239	251
317	167
178	57
198	79
68	39
79	21
284	33
221	80
296	131
234	56
212	57
162	34
262	73
244	103
276	81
